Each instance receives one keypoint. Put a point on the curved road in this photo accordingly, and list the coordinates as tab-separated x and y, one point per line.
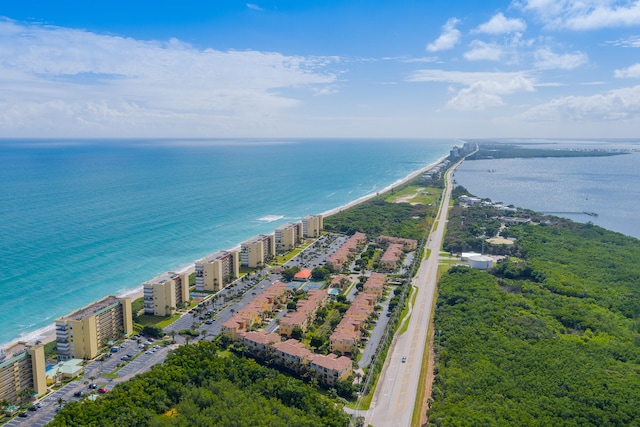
395	395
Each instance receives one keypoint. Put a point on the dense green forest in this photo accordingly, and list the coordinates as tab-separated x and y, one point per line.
198	387
551	337
488	150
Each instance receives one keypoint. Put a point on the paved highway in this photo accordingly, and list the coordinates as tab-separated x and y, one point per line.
395	395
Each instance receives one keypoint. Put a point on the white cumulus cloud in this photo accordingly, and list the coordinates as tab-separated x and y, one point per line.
618	104
482	89
59	80
449	37
481	51
499	24
630	72
254	7
546	59
584	14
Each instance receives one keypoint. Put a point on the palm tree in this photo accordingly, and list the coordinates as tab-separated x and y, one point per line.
186	339
358	376
173	335
26	393
60	401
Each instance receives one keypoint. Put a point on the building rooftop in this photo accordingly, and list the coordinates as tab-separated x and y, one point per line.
13	350
90	309
344	335
375	281
256	239
304	274
292	347
287	226
164	277
294	318
311	216
213	257
262	337
392	254
331	361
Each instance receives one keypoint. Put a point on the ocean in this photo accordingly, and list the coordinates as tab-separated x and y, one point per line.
567	187
82	219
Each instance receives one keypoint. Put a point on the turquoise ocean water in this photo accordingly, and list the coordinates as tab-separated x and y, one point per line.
80	220
608	186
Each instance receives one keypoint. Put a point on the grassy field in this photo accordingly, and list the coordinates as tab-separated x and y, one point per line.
415	194
162	322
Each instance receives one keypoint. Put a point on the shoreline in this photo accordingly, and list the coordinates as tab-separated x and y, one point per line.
47	333
400	181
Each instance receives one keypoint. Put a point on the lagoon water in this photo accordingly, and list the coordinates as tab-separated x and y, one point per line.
608	186
80	220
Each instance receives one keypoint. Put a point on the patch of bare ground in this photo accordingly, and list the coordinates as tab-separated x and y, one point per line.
499	241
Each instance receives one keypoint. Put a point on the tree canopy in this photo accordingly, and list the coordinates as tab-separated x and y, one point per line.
196	386
376	217
552	337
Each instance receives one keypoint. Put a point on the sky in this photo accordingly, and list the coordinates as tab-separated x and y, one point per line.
320	68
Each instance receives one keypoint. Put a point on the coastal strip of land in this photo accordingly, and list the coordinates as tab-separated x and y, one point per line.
47	334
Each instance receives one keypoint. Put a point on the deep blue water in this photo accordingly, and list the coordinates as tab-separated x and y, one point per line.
608	186
80	220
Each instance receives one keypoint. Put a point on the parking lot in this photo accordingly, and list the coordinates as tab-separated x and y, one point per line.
134	357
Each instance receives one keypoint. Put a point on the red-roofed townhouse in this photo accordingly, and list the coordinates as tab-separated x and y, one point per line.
331	368
291	354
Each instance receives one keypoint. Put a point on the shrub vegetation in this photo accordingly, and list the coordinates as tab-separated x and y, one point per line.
550	337
197	387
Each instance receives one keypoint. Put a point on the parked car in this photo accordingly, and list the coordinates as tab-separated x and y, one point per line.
78	393
103	390
23	415
93	386
404	359
33	408
209	322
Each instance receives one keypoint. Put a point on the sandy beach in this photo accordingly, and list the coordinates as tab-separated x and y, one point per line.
385	189
47	334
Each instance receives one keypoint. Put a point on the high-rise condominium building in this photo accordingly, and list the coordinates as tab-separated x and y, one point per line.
256	251
288	236
215	271
163	294
312	226
84	332
22	369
